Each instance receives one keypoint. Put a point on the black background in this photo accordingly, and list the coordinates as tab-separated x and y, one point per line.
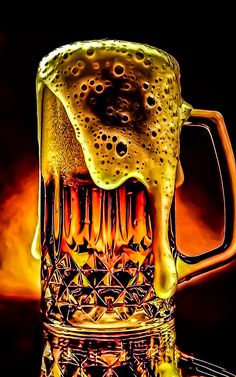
204	46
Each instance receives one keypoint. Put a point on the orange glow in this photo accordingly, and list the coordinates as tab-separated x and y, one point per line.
194	235
20	272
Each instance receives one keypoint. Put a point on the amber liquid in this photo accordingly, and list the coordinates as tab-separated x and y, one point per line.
97	260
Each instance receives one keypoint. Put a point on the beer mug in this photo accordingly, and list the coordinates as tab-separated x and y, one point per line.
110	115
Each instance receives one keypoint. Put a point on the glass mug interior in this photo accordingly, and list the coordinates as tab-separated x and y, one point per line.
109	116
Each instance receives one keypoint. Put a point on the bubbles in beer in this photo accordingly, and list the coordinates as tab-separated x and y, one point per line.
99	88
119	70
75	70
139	55
90	51
121	149
151	101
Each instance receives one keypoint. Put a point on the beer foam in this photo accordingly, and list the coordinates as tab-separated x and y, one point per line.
123	100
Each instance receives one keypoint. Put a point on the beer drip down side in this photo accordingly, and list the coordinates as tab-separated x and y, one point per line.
112	112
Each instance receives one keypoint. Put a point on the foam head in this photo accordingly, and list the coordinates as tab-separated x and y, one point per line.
123	100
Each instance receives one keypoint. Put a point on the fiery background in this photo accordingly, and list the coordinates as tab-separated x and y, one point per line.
204	305
19	273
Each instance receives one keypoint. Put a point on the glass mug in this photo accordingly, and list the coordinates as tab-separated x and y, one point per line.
110	115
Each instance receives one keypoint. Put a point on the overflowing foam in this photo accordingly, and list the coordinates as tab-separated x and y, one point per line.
123	101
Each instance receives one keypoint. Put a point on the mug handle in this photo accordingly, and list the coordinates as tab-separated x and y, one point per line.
188	267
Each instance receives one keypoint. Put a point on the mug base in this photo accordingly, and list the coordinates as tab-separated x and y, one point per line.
109	353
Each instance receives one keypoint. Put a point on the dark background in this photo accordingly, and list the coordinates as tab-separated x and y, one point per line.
203	46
